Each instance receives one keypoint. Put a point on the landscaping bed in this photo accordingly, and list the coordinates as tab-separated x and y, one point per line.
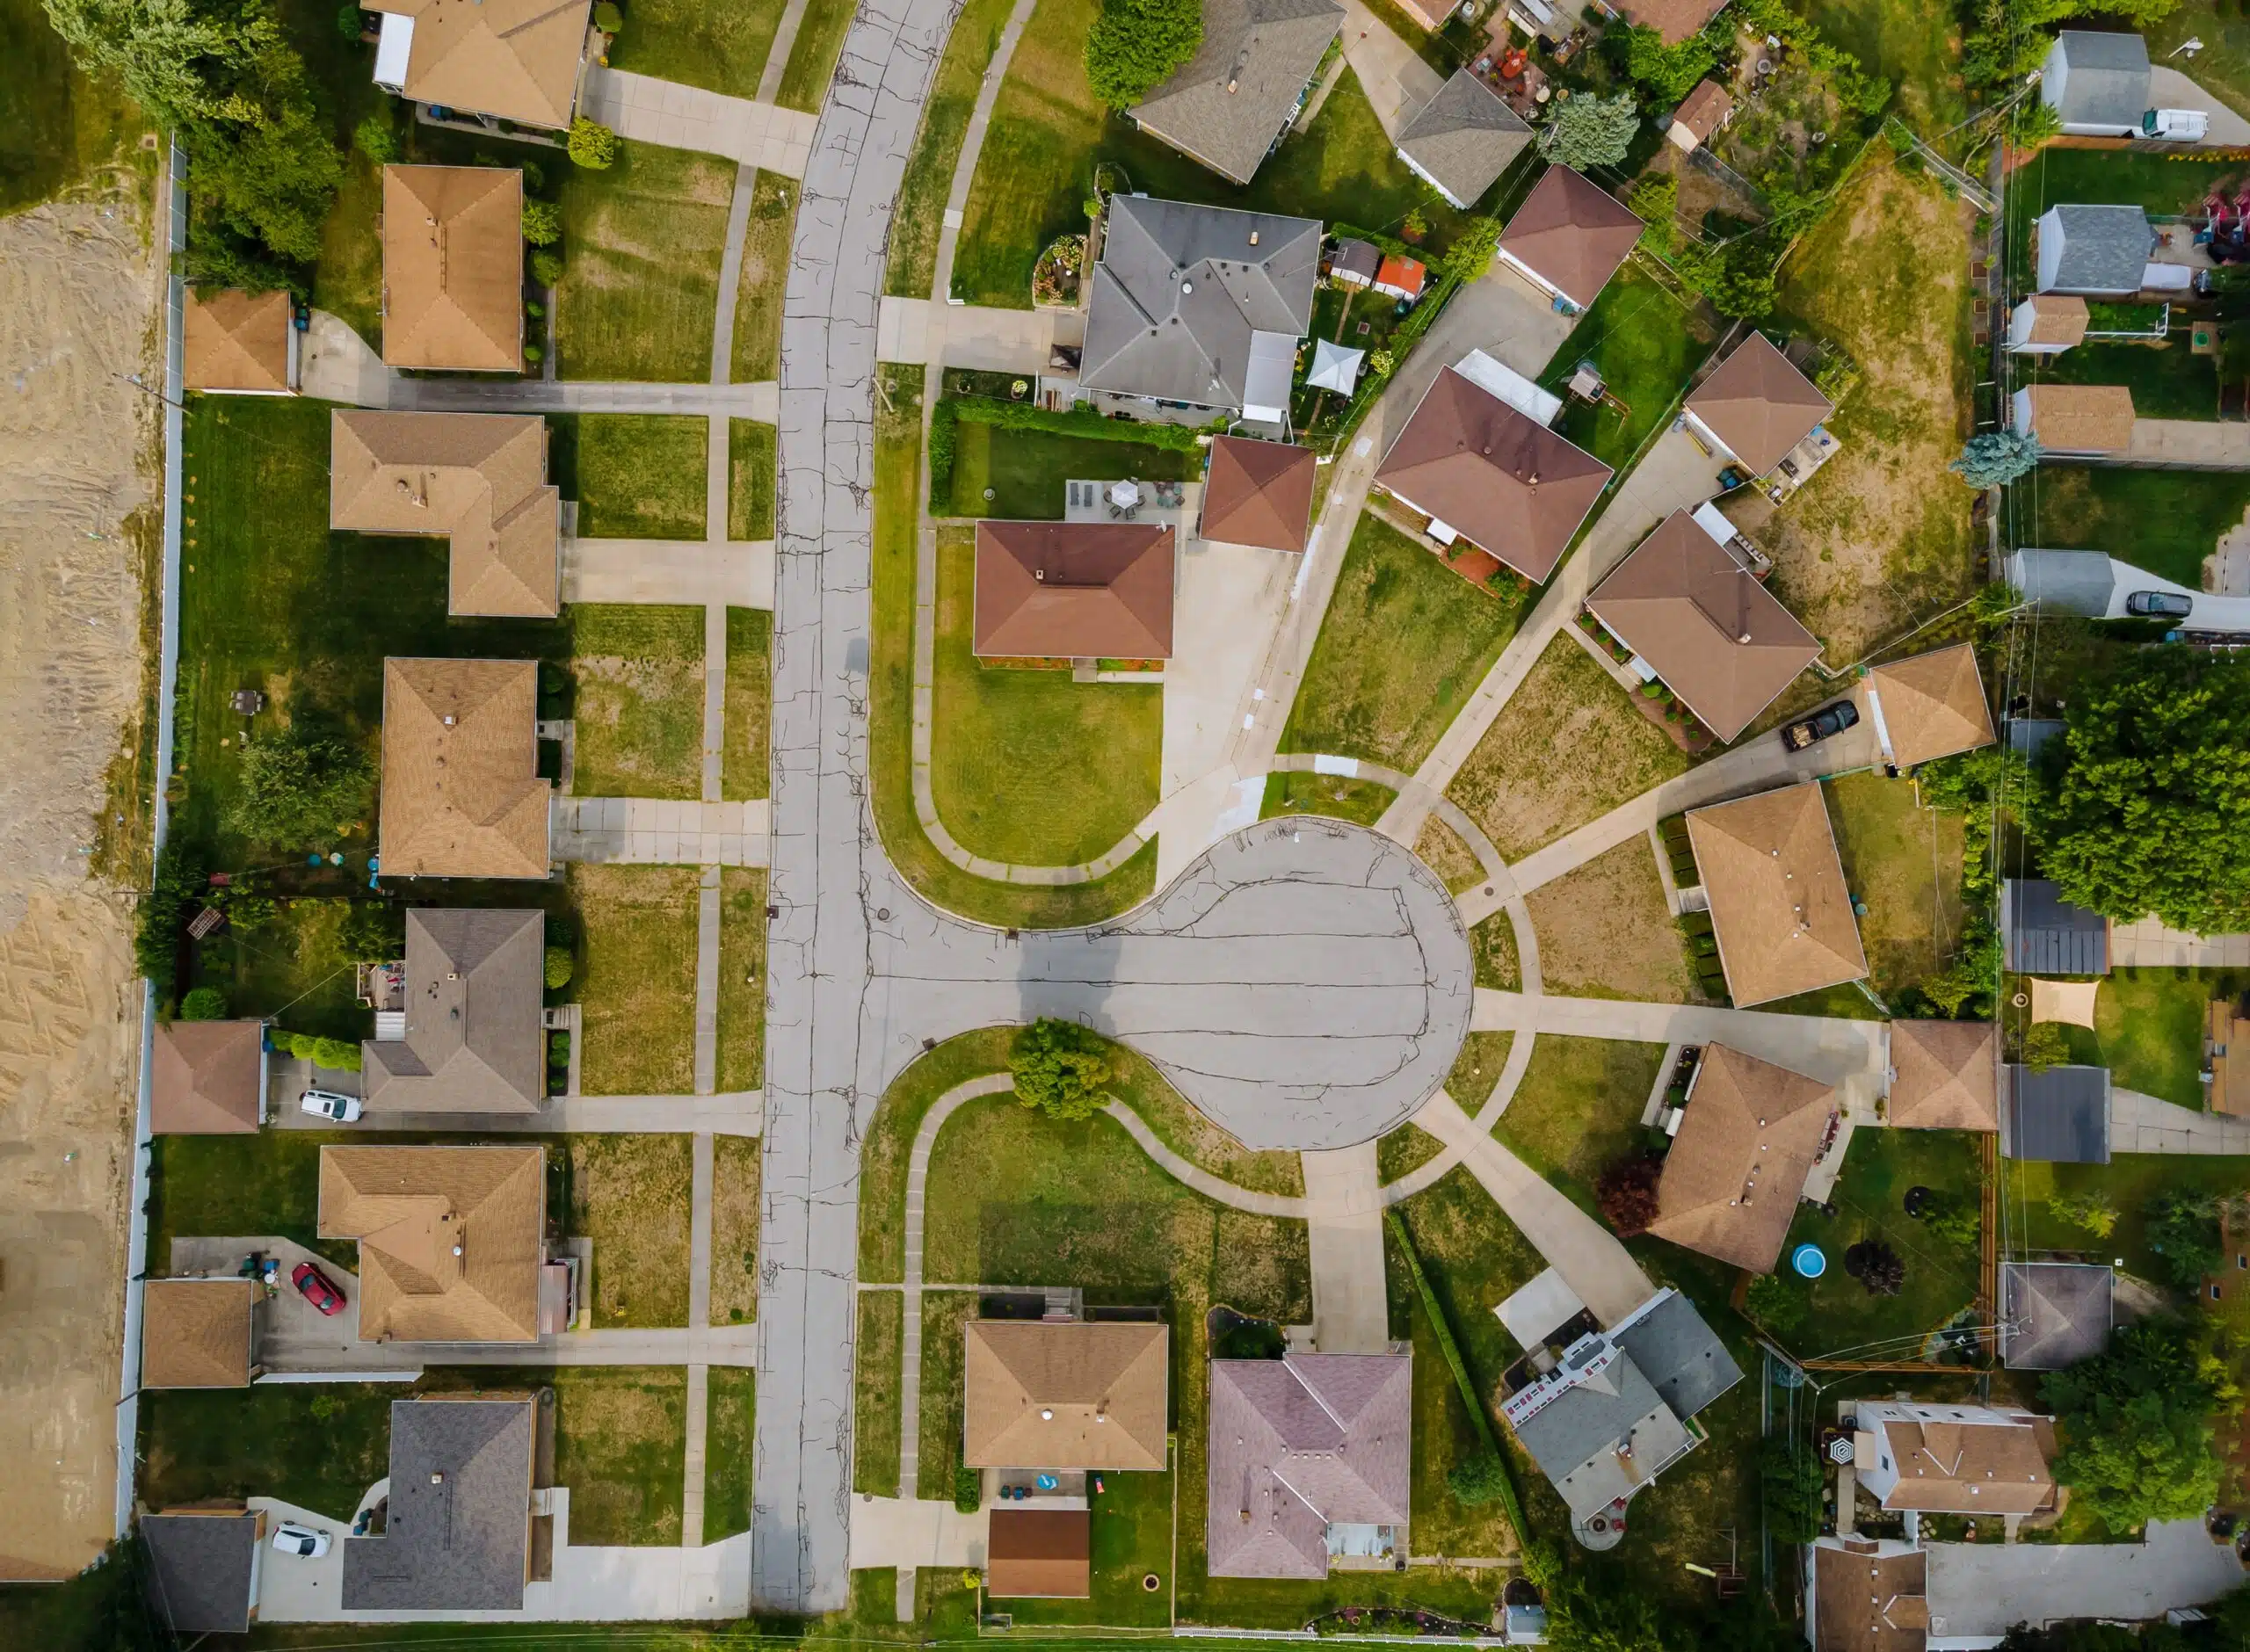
643	241
636	985
1606	932
638	670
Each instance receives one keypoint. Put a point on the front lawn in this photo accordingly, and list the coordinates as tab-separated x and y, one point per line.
1904	862
2168	380
1292	792
742	977
636	980
639	703
1028	766
916	220
1183	1127
1023	471
620	1445
764	280
1605	932
1578	1109
812	59
736	1172
642	244
752	479
720	49
2165	521
1643	342
635	475
629	1194
730	1430
1403	644
743	763
889	1142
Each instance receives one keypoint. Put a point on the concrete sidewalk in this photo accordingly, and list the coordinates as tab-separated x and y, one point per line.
700	573
912	330
2143	1124
2146	942
662	112
498	393
916	1532
2202	442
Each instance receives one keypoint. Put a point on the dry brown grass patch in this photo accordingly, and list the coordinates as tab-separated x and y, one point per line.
1446	852
1605	932
736	1169
636	996
630	1195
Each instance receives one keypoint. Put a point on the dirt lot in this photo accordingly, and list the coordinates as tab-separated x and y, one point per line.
77	298
1605	932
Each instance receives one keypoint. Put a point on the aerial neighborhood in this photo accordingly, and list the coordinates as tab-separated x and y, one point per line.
1153	818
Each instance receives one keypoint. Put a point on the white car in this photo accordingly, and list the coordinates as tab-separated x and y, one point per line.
301	1540
330	1105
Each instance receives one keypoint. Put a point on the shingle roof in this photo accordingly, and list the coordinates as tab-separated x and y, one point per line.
1678	1354
1464	137
236	340
1572	234
1869	1603
2104	248
2057	318
1944	1076
2043	934
1747	1140
451	1238
2105	78
196	1333
461	796
1932	704
517	59
1704	110
201	1565
473	1041
1686	606
2081	418
1226	104
1297	1444
1357	259
1182	291
1258	493
1977	1467
1758	404
1674	19
478	480
1576	1438
203	1077
1503	481
1040	1553
2058	1117
2065	582
2054	1314
1074	591
454	268
1779	906
457	1533
1086	1394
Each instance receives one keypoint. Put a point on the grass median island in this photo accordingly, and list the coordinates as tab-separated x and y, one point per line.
635	475
756	354
1904	862
876	1375
916	221
1403	644
639	706
1645	343
629	1194
744	754
730	1425
1024	470
736	1169
1492	945
890	1142
1578	1108
812	57
640	288
1477	1069
636	982
1447	852
1294	792
742	977
2165	521
944	1313
1403	1151
752	479
1606	932
720	49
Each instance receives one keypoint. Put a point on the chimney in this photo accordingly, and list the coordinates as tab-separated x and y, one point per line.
1743	638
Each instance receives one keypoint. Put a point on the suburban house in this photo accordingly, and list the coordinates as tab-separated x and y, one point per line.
206	1078
2077	418
2097	83
2092	251
1569	238
1073	591
451	1238
2043	934
1258	493
521	60
1703	112
1674	19
457	1531
1944	1076
1604	1412
2223	1027
477	480
200	1333
1039	1554
1863	1594
1309	1458
461	795
1920	1459
2060	1116
472	1040
1931	705
1484	471
1700	621
452	240
2054	1314
1355	263
201	1569
1756	408
1068	1393
1203	305
1461	139
1750	1132
2047	324
1779	908
2096	586
1230	105
238	343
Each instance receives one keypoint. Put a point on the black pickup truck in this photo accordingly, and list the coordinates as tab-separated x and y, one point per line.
1829	720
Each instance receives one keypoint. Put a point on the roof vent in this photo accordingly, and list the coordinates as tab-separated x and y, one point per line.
1046	1415
1253	237
1743	638
1232	83
1187	286
437	1477
449	720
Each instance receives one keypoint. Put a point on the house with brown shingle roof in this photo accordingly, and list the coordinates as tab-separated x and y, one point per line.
206	1078
1954	1459
1756	407
1705	624
1299	1444
475	1040
477	481
461	795
451	1238
1257	493
1073	591
1674	19
1869	1595
1779	908
1569	236
1701	113
1482	471
1081	1393
198	1333
1750	1134
2077	418
237	343
1944	1076
452	242
523	60
2047	324
1929	706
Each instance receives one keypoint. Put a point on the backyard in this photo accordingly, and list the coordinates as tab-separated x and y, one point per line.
1132	1536
639	700
1904	862
56	125
2168	380
743	767
1606	932
635	475
1645	343
1578	1109
2130	1182
720	49
1004	473
2148	1029
640	288
292	966
742	978
636	983
914	222
2168	522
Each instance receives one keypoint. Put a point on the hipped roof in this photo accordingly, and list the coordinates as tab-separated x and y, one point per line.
1674	19
474	1039
516	59
478	480
1571	234
203	1077
1297	1444
1074	591
1226	104
236	340
1464	137
1934	705
196	1333
1945	1076
1704	110
454	268
1258	493
1758	404
1085	1394
2057	318
1779	907
451	1238
1747	1140
461	796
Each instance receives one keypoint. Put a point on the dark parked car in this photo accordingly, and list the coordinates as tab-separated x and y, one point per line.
1829	720
319	1289
2159	604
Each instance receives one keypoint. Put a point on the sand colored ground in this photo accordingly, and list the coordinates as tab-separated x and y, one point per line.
77	296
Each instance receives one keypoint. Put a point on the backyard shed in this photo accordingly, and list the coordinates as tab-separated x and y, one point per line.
2054	1314
2060	1116
202	1569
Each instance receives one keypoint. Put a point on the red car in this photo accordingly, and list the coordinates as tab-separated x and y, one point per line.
319	1290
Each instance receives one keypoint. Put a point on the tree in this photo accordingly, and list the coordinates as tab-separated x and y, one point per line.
1655	201
1626	1193
2150	810
1470	256
338	1055
1583	1619
1477	1481
2136	1424
1136	43
376	138
1061	1067
968	1488
2183	1229
1790	1475
176	896
203	1004
591	144
1996	458
298	787
1956	1221
608	18
2093	1210
1736	275
1666	73
1876	1266
542	222
559	966
1589	130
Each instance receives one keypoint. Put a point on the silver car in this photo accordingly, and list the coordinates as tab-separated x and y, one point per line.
333	1106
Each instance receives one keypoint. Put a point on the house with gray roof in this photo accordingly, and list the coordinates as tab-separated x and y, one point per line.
1230	105
1310	1457
457	1534
1202	305
2097	83
2043	934
473	1040
2094	252
202	1576
2054	1314
1463	139
2060	1116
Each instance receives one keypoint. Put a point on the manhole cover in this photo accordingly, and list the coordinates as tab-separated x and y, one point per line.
882	914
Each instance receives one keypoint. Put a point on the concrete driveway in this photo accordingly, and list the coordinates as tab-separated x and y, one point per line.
1396	81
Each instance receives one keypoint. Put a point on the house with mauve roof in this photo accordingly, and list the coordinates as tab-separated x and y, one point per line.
1310	1456
1569	236
1257	493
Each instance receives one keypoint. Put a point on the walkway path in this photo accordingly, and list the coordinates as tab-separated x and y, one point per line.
734	1113
582	395
2143	1124
2202	443
1836	1050
1200	1180
661	831
2148	942
695	573
679	117
1343	1196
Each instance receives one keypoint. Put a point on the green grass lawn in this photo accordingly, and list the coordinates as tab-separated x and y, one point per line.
744	771
1578	1109
1330	795
1404	1150
1028	766
731	1418
720	49
1493	945
2168	380
1132	1536
2148	1030
1477	1069
2130	1181
292	966
1025	470
642	243
742	977
889	1142
753	480
620	1445
876	1376
2165	521
944	1313
2223	67
1445	1433
915	221
1904	862
636	979
1403	644
2162	183
629	1194
764	278
348	279
1645	343
56	125
1917	47
635	475
639	673
1182	1127
737	1178
198	1443
812	59
241	1185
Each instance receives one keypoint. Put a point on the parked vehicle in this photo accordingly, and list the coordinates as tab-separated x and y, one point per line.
1829	720
2181	125
302	1540
329	1104
2159	604
317	1288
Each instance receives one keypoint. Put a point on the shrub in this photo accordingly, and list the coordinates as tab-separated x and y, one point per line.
374	136
558	1049
348	21
542	222
559	967
1655	201
968	1488
608	18
1954	1220
176	897
1876	1266
1061	1067
1793	1485
1589	131
1470	256
203	1003
298	786
1776	1304
2093	1210
1477	1481
534	354
546	267
373	933
337	1055
2045	1045
1626	1193
1135	43
591	144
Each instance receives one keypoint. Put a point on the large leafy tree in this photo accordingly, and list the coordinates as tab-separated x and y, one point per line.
1134	43
1062	1068
1589	130
299	787
2136	1424
2151	808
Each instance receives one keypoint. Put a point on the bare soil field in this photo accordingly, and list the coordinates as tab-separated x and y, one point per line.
1605	932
